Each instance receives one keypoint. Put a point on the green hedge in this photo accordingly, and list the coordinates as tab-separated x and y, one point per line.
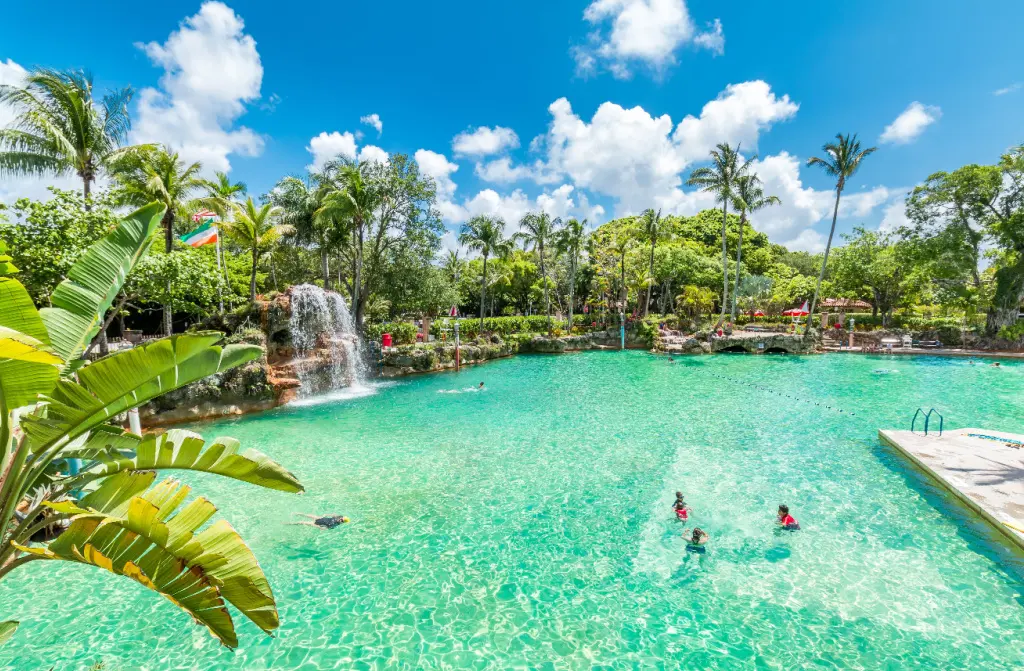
402	333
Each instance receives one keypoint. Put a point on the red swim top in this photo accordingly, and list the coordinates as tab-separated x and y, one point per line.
682	513
788	520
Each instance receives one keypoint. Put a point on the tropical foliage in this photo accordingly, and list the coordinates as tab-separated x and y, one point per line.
66	467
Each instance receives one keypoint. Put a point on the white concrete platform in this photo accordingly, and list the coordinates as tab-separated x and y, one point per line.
987	474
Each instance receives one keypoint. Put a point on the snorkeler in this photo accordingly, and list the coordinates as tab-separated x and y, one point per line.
787	521
327	522
697	541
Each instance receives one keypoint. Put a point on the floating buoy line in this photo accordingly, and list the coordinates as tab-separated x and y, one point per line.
782	394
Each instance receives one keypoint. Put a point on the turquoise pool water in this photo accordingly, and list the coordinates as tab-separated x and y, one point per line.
530	527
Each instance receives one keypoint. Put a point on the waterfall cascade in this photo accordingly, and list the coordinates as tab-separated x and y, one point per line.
328	351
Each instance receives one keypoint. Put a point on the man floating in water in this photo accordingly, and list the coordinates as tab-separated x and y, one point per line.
326	522
787	521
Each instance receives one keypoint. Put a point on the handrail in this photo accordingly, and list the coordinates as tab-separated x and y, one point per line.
927	420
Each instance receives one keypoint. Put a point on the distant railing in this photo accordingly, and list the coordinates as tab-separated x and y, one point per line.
927	420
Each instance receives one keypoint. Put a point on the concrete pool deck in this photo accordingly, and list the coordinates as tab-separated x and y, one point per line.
987	475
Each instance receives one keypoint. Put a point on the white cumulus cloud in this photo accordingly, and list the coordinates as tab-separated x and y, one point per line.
910	123
645	32
637	158
374	121
329	146
211	71
485	141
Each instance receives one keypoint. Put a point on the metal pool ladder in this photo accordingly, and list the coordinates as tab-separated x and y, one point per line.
927	420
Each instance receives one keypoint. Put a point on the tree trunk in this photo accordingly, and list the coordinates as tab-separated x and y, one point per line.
169	248
824	261
739	259
725	266
86	189
650	279
358	293
252	277
325	268
483	294
273	272
544	279
572	290
1009	292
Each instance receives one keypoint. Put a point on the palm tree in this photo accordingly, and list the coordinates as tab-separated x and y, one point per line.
843	160
720	179
60	130
748	197
621	243
350	201
650	229
222	195
571	240
538	232
485	235
453	265
300	200
156	174
258	230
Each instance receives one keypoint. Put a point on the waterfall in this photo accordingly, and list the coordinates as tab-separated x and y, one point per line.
328	351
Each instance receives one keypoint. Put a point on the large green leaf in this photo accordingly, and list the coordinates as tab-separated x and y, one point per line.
7	630
27	368
179	449
126	380
147	538
81	301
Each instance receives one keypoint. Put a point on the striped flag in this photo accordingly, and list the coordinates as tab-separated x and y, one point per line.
204	235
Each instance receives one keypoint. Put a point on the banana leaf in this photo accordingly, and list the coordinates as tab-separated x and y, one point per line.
7	630
27	368
147	538
81	301
179	449
126	380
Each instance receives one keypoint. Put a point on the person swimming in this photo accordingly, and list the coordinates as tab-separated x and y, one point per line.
698	539
481	387
787	521
323	522
682	511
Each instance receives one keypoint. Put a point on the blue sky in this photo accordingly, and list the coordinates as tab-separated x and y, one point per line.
581	103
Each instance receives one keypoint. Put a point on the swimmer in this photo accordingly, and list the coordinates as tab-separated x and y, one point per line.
682	510
327	522
697	541
996	364
481	387
787	521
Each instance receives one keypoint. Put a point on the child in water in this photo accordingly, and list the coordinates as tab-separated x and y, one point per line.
787	521
682	511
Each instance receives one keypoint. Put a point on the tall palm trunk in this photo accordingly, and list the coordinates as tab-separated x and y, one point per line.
824	261
273	272
168	247
358	292
325	268
650	279
544	279
572	290
739	259
252	277
725	264
86	190
483	293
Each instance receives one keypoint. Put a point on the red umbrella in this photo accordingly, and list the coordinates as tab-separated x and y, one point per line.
797	312
758	313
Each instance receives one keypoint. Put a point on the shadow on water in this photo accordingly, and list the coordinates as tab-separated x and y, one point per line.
971	527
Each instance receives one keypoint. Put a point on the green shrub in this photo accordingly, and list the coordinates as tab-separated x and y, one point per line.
402	333
1014	332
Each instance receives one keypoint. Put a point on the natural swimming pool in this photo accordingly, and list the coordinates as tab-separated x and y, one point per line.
530	526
